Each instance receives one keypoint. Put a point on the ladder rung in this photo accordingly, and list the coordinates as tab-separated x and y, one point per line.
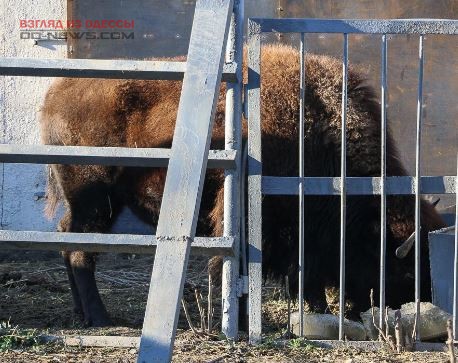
102	68
102	242
113	156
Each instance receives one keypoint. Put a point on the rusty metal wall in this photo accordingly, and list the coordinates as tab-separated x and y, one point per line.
162	28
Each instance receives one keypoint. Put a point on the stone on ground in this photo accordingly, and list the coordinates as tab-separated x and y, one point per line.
433	321
326	327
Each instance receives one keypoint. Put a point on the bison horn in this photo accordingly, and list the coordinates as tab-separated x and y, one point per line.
436	202
403	250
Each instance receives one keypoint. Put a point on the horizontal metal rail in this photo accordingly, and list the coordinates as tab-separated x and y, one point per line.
133	342
101	68
357	185
102	242
370	26
113	156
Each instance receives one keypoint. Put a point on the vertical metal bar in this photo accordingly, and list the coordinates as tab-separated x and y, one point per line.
233	141
455	269
301	186
254	181
343	175
417	186
383	183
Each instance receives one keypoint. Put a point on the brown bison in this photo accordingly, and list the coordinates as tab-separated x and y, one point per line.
128	113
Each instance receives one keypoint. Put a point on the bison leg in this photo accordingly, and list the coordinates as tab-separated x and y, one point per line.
92	209
77	307
86	298
83	268
64	227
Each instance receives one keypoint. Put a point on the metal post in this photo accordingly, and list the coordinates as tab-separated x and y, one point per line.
383	184
343	175
455	268
301	186
418	186
233	141
254	182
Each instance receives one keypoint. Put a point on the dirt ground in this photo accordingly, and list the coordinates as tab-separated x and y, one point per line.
35	300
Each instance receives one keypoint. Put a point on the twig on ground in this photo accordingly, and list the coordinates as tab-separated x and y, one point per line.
387	326
380	331
398	331
390	338
414	330
210	304
451	349
13	282
386	338
201	310
288	298
188	317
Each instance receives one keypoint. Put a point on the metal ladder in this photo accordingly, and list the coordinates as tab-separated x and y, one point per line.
215	21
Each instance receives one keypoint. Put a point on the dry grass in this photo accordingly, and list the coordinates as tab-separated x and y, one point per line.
34	294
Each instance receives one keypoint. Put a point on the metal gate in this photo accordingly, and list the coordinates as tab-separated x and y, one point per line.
259	185
217	27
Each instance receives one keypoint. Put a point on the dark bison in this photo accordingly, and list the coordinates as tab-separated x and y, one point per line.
142	114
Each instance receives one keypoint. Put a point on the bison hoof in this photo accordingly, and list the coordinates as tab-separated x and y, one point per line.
98	322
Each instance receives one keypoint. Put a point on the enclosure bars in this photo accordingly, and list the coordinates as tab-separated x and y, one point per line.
191	142
418	186
343	186
383	94
301	185
383	185
232	285
455	267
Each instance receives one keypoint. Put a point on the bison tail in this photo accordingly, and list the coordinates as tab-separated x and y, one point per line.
53	195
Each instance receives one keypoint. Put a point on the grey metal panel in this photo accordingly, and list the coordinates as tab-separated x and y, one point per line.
113	156
272	185
101	242
254	182
230	290
372	26
441	257
101	68
185	176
